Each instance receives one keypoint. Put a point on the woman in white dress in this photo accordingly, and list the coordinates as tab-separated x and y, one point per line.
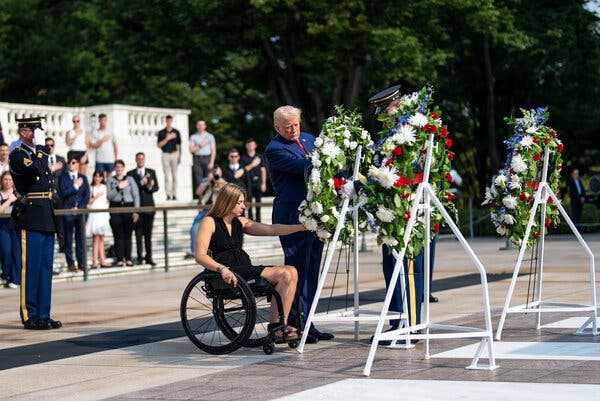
98	223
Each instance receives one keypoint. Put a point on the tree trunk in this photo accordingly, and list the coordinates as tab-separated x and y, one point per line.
490	110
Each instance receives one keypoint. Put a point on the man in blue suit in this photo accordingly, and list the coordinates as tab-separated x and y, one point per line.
74	192
287	162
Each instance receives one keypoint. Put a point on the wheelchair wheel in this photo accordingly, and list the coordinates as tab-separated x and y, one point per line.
208	305
260	334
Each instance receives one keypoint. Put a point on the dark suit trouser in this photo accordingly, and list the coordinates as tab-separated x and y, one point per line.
36	251
414	283
122	227
576	209
143	231
302	250
254	195
73	224
9	257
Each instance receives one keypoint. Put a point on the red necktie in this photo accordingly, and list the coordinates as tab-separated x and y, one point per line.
297	142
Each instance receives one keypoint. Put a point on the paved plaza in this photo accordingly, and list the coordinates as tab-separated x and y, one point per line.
122	340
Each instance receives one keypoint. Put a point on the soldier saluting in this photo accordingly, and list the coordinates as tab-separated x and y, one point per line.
33	215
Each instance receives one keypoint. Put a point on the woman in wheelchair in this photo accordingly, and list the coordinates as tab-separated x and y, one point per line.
219	248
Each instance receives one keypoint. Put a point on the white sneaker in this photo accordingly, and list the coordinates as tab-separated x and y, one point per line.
12	285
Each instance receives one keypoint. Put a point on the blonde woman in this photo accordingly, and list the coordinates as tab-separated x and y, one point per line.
219	248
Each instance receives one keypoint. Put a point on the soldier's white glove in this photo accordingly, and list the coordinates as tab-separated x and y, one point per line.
39	138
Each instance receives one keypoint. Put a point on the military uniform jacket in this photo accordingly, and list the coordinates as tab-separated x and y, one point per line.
31	174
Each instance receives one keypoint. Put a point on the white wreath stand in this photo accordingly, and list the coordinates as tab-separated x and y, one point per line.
425	196
539	306
355	315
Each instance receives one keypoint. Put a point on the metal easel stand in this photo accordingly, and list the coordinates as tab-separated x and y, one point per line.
425	196
355	315
539	306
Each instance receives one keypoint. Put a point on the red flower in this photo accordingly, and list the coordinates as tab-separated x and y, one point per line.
546	140
533	185
493	204
338	183
547	222
549	200
418	178
405	195
398	151
443	132
449	143
389	162
433	115
448	177
523	197
432	129
449	196
553	133
406	215
451	155
402	181
560	147
537	157
436	227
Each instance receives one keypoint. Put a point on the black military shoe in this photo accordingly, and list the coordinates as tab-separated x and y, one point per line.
53	324
310	339
320	335
433	299
31	324
151	262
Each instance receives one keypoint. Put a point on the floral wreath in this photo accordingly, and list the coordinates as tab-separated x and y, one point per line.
511	195
333	163
398	168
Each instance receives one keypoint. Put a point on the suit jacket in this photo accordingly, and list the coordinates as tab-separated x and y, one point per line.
70	196
573	190
146	193
287	165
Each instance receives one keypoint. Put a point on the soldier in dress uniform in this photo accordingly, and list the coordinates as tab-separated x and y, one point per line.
413	268
33	214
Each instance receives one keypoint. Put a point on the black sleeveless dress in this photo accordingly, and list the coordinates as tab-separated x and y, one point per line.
227	249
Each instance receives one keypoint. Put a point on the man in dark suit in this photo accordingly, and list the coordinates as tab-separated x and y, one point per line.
577	195
145	178
287	161
74	192
234	171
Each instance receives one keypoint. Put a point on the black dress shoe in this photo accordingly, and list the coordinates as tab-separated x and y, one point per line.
310	339
320	335
53	324
151	262
128	263
31	324
139	261
433	299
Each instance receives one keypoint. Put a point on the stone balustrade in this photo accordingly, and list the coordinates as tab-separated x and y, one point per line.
134	127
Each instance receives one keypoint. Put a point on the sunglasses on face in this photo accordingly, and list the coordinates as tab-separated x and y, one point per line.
75	121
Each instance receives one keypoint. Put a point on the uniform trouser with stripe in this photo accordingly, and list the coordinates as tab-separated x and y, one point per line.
37	254
414	281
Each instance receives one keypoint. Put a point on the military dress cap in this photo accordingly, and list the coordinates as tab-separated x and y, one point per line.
30	122
381	99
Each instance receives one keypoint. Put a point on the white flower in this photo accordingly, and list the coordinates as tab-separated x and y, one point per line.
518	164
331	183
527	141
325	218
311	224
373	172
364	134
531	130
353	145
331	150
346	133
386	177
302	205
334	212
500	181
322	234
510	202
317	208
346	143
406	134
315	176
384	214
389	241
318	142
302	219
488	197
509	219
418	120
515	182
493	190
309	196
501	230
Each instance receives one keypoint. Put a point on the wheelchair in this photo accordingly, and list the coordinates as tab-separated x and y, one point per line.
219	318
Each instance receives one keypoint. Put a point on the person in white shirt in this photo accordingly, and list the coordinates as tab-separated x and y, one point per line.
98	224
105	144
4	152
204	150
77	142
